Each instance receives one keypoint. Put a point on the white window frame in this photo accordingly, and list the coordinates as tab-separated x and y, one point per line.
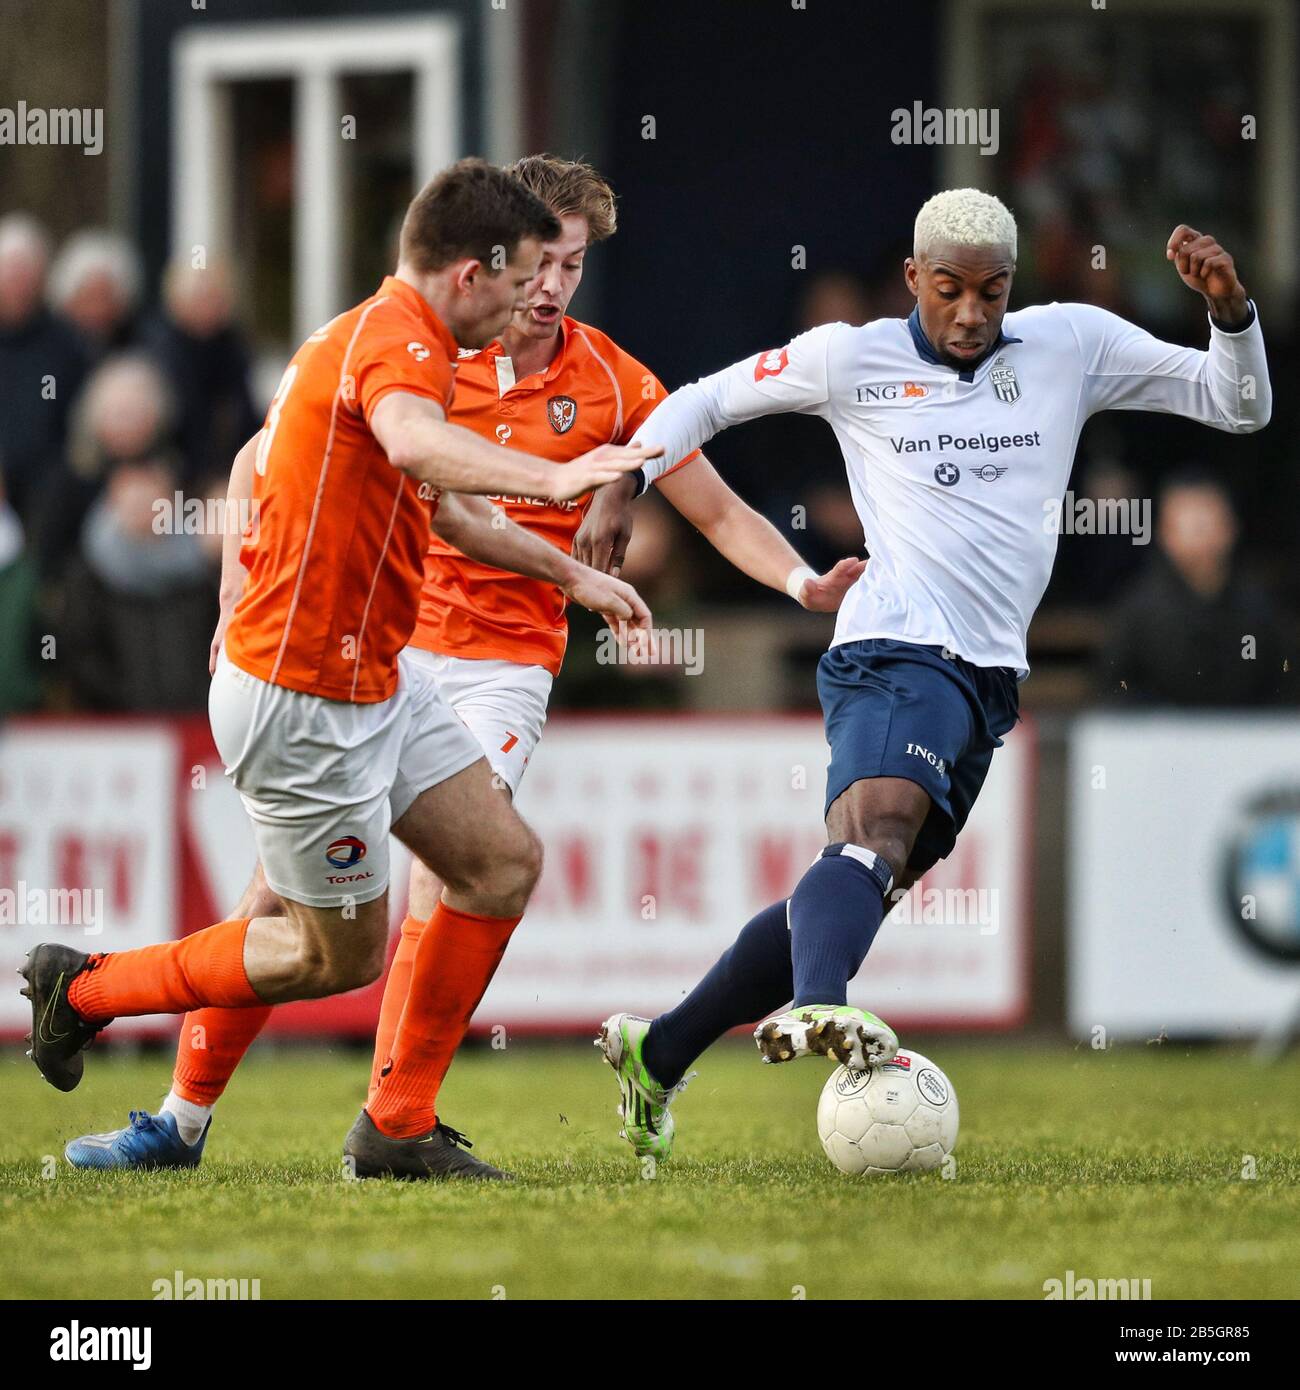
315	55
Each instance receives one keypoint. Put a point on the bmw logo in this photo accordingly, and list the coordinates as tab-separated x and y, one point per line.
342	854
946	474
1261	875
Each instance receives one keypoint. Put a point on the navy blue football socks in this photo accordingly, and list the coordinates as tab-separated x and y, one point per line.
751	979
835	913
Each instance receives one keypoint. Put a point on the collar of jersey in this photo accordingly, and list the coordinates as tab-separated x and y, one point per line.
411	297
567	325
928	354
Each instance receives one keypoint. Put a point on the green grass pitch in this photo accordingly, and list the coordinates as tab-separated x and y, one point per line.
1120	1164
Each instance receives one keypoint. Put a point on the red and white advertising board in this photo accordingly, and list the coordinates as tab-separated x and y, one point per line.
662	835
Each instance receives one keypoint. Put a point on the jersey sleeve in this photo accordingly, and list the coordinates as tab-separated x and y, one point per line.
1126	368
393	352
791	378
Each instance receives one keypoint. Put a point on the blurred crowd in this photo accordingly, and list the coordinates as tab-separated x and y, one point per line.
112	406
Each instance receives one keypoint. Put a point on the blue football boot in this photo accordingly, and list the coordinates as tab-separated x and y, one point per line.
149	1141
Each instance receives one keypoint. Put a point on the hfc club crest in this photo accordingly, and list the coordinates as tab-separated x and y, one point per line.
561	411
1005	385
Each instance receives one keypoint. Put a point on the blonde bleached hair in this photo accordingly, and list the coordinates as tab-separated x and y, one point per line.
964	217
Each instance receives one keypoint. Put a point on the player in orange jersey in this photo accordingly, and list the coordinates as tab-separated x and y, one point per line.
331	737
494	641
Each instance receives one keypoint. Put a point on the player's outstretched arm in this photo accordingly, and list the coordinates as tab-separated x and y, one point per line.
750	542
734	529
417	437
1226	387
239	492
483	532
794	377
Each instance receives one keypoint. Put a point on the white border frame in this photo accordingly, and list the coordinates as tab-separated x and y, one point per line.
965	80
314	54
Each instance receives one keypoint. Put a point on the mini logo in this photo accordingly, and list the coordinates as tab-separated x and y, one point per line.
989	472
946	474
1005	386
561	411
343	853
930	1084
771	363
418	351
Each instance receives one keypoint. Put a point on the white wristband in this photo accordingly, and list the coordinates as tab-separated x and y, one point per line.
794	584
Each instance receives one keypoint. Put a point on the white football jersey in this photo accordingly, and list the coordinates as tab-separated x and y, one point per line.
958	476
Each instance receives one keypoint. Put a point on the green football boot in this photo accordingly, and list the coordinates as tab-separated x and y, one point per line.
644	1109
851	1036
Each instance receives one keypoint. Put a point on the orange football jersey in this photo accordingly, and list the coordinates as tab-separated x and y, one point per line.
592	393
335	557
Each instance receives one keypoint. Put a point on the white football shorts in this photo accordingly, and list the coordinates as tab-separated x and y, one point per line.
324	780
503	704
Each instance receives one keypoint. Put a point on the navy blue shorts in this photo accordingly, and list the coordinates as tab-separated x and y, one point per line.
897	709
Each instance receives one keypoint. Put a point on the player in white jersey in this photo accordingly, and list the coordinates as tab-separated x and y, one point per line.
958	428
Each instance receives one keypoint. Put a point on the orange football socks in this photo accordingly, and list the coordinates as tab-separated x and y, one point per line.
204	968
212	1044
396	988
455	959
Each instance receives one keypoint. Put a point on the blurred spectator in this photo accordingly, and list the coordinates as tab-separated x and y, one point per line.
140	600
20	686
205	357
42	365
95	284
1193	631
124	414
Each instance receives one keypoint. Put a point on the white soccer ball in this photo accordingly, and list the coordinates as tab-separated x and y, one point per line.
897	1118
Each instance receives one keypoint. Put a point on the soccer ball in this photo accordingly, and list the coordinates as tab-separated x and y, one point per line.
897	1118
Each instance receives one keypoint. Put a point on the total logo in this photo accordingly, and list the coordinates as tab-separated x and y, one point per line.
344	853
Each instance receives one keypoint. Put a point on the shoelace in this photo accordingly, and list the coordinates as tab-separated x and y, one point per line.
454	1136
676	1091
142	1122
